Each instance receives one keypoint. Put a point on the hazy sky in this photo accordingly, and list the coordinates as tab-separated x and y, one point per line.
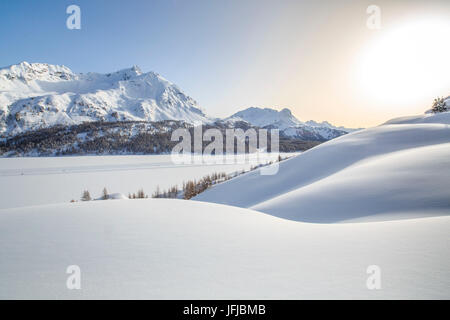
317	58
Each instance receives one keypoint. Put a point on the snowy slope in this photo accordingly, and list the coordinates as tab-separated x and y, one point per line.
39	95
288	124
388	172
174	249
443	117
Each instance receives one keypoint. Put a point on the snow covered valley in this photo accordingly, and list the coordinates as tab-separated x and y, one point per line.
375	198
33	181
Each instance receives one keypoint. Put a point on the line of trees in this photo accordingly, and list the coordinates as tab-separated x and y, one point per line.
139	195
190	188
131	137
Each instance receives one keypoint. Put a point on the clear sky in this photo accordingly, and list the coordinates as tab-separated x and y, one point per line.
317	58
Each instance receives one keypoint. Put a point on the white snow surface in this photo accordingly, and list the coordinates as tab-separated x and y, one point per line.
393	171
443	118
36	181
176	249
37	95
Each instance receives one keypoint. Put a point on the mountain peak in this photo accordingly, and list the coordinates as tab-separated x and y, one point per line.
25	71
288	124
268	117
286	111
136	69
39	95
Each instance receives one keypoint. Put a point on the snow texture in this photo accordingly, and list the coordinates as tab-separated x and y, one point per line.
176	249
392	171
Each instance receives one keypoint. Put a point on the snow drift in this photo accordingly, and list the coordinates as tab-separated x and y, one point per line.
175	249
397	170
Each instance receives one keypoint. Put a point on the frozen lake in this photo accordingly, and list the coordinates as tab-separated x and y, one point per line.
34	181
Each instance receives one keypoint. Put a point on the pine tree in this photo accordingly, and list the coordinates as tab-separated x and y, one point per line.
157	193
190	190
105	194
86	196
439	105
141	194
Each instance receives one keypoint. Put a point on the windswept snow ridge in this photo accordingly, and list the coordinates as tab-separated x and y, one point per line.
397	170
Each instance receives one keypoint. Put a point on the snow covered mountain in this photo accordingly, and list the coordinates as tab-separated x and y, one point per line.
397	170
40	95
288	124
267	117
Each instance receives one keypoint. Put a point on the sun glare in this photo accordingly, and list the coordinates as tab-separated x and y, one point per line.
407	64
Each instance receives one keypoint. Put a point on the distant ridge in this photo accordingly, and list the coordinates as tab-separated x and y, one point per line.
288	124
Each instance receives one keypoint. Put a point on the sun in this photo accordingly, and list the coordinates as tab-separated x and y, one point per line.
411	62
